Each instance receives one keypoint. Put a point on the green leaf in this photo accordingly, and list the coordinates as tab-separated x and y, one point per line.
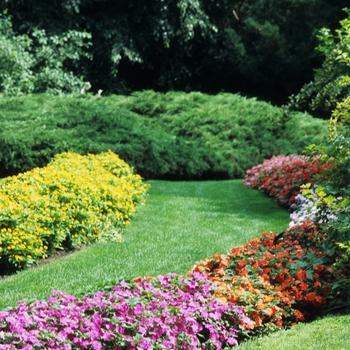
134	301
343	203
310	275
329	199
299	264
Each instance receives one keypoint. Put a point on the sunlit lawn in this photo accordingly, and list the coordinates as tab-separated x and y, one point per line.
181	223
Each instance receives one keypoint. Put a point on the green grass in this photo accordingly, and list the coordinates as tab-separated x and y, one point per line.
328	333
181	224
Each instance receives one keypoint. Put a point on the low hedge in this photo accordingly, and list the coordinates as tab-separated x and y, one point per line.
164	136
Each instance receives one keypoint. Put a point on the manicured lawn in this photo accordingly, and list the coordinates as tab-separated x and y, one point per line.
328	333
181	224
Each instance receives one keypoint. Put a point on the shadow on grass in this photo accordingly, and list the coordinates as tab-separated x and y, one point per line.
226	196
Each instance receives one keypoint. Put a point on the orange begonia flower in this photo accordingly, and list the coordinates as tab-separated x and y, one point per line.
281	255
279	323
260	306
286	284
244	272
242	263
137	279
236	251
257	319
268	298
310	296
299	255
319	268
299	315
268	256
199	268
301	274
223	300
220	272
303	286
286	301
318	301
280	277
223	264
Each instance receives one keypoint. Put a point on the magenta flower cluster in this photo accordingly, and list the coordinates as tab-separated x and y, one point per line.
167	312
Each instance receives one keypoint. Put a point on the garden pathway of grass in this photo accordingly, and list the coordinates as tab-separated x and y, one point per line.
181	224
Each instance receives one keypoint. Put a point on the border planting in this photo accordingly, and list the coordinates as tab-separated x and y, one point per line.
74	201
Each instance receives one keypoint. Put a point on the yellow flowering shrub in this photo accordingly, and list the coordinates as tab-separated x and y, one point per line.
75	200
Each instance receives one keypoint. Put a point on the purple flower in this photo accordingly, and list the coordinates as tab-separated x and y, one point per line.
168	311
145	344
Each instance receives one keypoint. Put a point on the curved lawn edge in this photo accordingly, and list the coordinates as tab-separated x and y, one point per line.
181	224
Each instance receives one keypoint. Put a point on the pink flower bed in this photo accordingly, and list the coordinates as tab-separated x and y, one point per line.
281	176
167	312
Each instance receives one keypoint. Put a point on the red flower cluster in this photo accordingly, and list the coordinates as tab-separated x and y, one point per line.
281	177
278	280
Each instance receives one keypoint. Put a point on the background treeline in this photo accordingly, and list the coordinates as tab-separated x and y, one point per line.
261	48
175	135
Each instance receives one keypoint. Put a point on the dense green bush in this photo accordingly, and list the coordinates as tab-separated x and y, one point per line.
174	135
240	130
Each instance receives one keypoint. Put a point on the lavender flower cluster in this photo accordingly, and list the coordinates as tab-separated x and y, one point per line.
308	209
167	312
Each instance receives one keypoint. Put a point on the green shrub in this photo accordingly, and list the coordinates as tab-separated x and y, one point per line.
51	208
239	129
164	136
331	194
331	83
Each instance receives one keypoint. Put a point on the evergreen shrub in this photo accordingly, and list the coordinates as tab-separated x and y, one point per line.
164	136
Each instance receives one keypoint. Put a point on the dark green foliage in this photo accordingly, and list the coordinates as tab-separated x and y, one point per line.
170	136
331	82
265	47
260	48
237	128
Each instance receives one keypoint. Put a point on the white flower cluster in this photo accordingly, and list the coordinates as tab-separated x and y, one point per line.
309	209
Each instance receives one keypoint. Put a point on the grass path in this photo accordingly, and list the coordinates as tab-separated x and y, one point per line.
181	223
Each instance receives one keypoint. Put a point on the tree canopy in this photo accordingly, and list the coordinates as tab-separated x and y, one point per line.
262	48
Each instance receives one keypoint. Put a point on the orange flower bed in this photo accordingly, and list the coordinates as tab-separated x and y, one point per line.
279	279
